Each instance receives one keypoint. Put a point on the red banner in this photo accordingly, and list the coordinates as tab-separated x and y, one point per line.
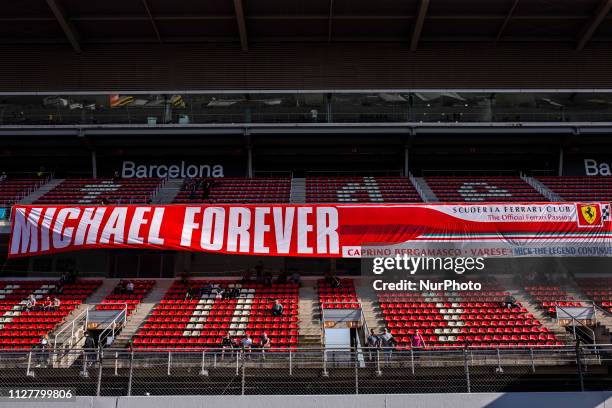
309	230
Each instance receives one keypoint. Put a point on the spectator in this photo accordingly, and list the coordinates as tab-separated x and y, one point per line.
233	293
3	177
387	342
277	308
259	271
56	303
43	350
417	341
246	278
226	343
220	293
189	293
282	278
89	347
268	279
122	287
295	277
247	344
31	303
264	343
47	304
510	302
116	177
184	279
335	282
207	185
372	343
129	288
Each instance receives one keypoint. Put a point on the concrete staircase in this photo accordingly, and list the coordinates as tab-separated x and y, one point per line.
298	191
370	306
139	315
44	189
543	317
309	315
104	290
542	189
168	191
424	190
603	335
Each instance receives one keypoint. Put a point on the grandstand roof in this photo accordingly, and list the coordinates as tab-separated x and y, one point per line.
75	22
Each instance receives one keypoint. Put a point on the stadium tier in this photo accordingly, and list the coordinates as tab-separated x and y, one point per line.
548	297
21	328
199	313
235	190
336	293
14	189
102	191
482	188
580	188
459	319
360	190
123	297
598	289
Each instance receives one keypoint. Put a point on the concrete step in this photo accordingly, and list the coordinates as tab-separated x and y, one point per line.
104	290
298	191
369	306
140	314
44	189
426	193
167	193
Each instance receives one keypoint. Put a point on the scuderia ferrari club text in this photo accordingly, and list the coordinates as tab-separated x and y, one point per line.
236	229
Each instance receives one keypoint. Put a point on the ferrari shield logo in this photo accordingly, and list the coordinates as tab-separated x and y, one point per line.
589	212
589	215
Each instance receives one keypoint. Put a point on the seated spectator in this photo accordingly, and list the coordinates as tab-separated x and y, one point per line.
116	177
295	277
122	287
335	282
31	303
129	288
277	308
47	304
208	289
268	279
232	293
246	278
56	304
220	293
283	278
29	306
510	302
3	177
184	279
189	293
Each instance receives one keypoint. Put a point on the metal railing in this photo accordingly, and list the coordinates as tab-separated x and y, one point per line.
197	371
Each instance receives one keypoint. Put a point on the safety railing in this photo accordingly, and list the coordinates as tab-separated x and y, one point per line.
240	371
115	324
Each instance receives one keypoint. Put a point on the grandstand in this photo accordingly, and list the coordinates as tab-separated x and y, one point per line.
238	202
